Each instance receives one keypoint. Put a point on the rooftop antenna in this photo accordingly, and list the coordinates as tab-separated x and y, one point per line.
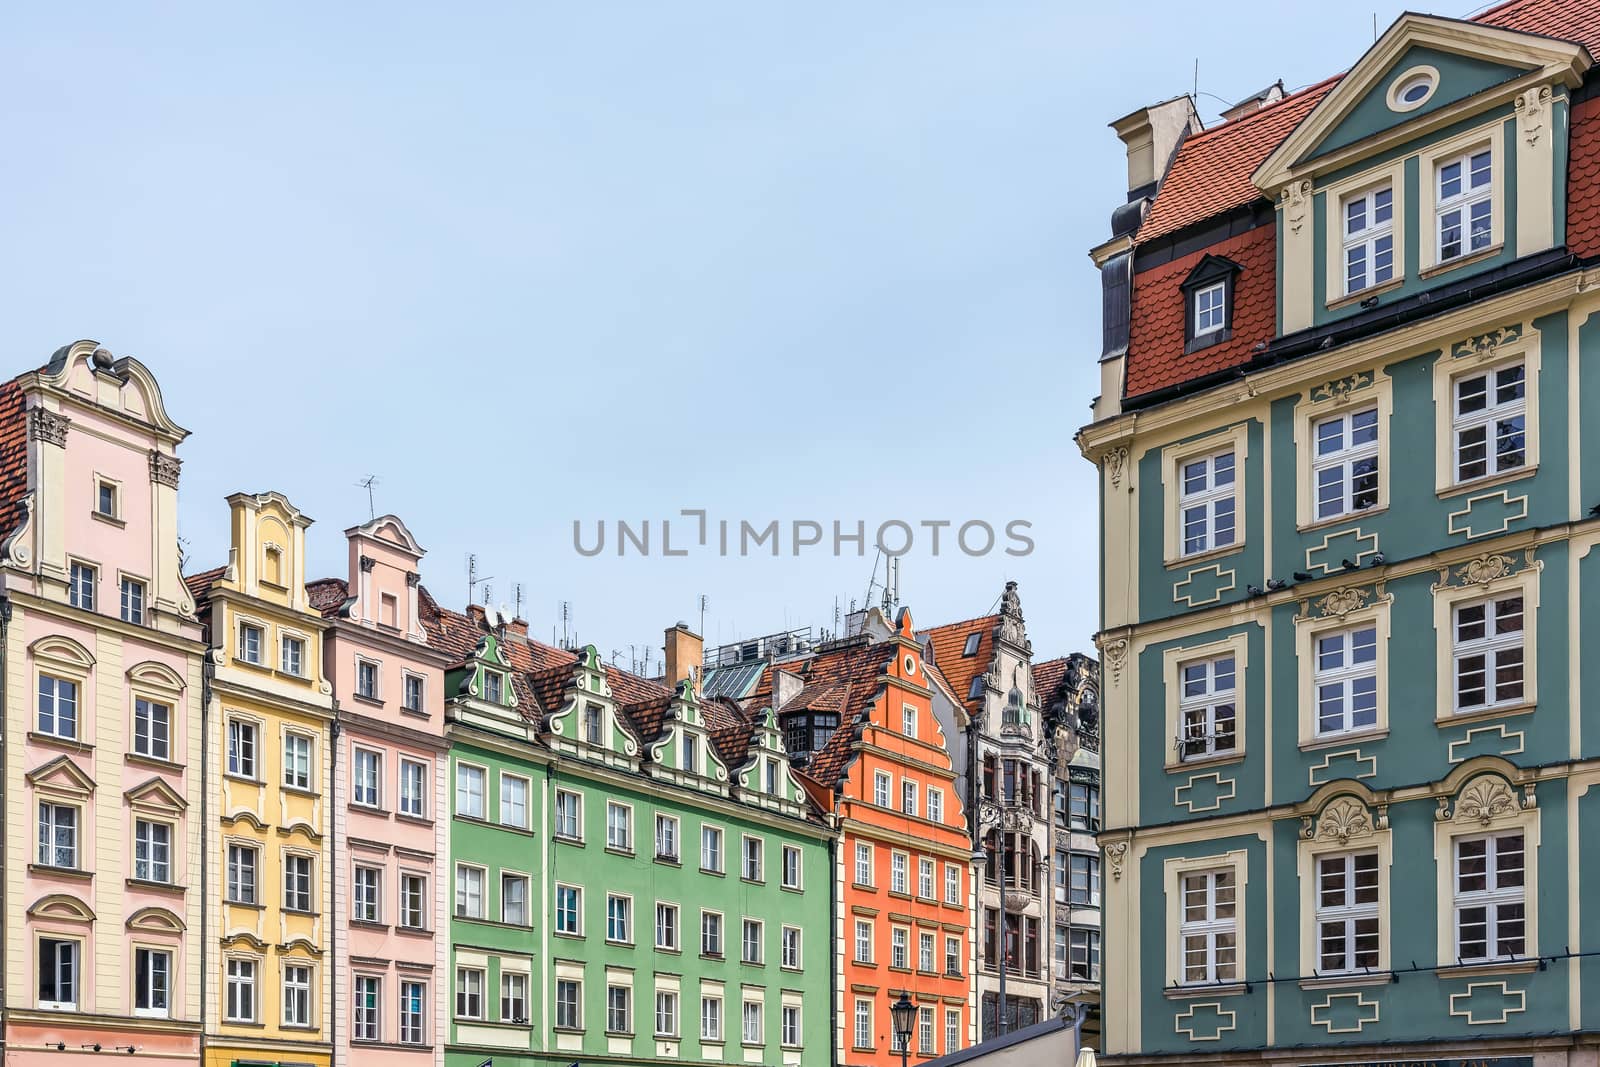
872	579
488	593
566	618
372	479
517	589
616	654
473	579
705	602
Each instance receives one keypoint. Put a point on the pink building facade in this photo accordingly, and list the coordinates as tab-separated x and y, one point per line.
102	742
390	809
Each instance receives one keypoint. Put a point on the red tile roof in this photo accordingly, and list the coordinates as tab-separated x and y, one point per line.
1047	679
949	641
847	678
1156	332
1565	20
327	595
13	457
200	584
1583	179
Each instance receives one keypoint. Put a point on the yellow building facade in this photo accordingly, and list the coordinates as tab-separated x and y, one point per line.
269	982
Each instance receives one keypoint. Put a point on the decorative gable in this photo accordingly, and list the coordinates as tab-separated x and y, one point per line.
765	779
485	676
62	775
684	751
588	722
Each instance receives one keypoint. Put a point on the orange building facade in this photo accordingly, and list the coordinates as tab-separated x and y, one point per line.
903	880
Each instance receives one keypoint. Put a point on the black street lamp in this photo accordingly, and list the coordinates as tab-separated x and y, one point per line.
903	1014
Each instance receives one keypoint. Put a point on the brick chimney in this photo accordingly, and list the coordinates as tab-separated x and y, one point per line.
685	651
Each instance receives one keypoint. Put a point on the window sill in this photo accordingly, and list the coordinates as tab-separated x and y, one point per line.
158	887
792	888
418	820
1488	481
1342	519
156	762
668	861
304	912
1496	712
61	872
1210	989
1347	981
370	809
242	779
300	790
753	881
109	520
1461	261
1204	557
864	887
70	743
1473	970
369	924
1361	295
370	701
615	851
252	905
576	842
1206	761
1377	733
715	956
567	935
708	870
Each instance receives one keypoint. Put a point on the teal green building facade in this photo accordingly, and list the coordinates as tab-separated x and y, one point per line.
1349	511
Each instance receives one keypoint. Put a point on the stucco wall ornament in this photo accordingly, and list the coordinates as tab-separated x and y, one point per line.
1532	109
1296	198
1484	569
1342	602
48	426
1115	652
1340	389
164	469
1116	853
1485	345
1343	819
1484	800
1116	461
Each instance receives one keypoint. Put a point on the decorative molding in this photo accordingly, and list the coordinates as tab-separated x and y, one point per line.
48	426
1516	737
1508	998
413	579
1230	576
164	469
1115	652
367	563
1339	389
1229	784
1483	800
1485	345
1484	569
1460	522
1216	1034
1327	764
1116	461
1116	855
14	549
1364	545
1342	820
1532	107
1296	200
1362	1006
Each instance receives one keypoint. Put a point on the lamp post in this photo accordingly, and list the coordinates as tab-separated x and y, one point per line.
903	1016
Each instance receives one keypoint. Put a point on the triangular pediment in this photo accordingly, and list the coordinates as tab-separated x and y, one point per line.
63	775
1467	68
155	794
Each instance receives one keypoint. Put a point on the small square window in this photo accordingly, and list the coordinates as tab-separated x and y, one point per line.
1210	308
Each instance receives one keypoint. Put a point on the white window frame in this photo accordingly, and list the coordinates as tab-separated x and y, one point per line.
462	902
576	834
1174	871
713	846
508	878
1348	911
864	851
1174	458
83	585
789	948
147	741
368	780
864	935
759	927
882	788
908	720
1367	239
1210	316
464	771
862	1029
1344	676
952	884
73	969
1493	897
668	837
752	864
414	805
711	1018
288	642
720	925
292	990
292	892
1209	497
934	799
470	994
366	1008
527	800
153	853
140	590
619	913
619	834
797	879
365	664
1463	202
237	741
576	912
292	739
1343	460
241	980
1493	647
1429	161
1488	420
157	993
1207	705
669	926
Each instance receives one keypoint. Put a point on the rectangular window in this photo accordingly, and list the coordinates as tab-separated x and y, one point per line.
1083	960
925	951
935	805
413	789
952	1030
1206	708
1347	912
411	693
619	919
1083	883
241	1001
1206	503
152	851
241	749
569	910
250	643
414	901
296	995
514	801
368	994
925	1030
900	948
619	1012
80	586
908	797
1490	898
1345	675
366	778
925	883
691	755
1488	653
863	941
619	827
863	1024
133	601
297	761
569	998
1465	205
471	784
750	951
58	835
752	1023
242	874
666	1014
469	993
569	822
514	899
152	983
753	859
297	883
863	864
152	729
789	1029
58	974
791	867
1344	468
1489	422
898	877
667	838
1210	309
1208	928
413	1013
1368	239
592	724
952	884
667	926
366	679
58	707
908	720
711	849
710	1018
105	499
710	933
789	948
292	655
952	956
469	892
882	784
513	997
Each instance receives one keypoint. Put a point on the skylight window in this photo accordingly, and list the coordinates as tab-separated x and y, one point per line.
971	648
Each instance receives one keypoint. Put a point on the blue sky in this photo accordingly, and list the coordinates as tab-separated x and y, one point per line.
535	263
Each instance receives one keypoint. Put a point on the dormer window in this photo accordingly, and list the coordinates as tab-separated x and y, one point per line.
1465	205
1208	302
1368	239
807	732
971	647
493	687
591	724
